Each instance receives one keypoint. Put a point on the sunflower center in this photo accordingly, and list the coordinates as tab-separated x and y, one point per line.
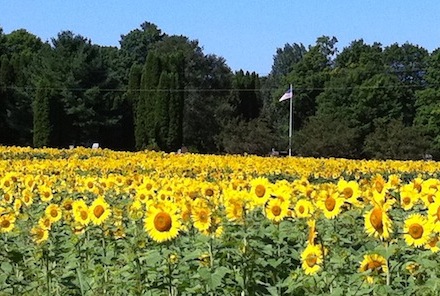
301	209
46	194
406	200
98	211
415	230
68	206
438	213
209	192
162	222
90	185
53	213
311	260
260	190
430	198
330	203
203	216
347	192
379	186
276	210
418	187
149	186
374	266
84	215
5	223
433	242
376	219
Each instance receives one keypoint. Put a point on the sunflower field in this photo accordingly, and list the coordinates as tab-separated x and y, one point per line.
94	221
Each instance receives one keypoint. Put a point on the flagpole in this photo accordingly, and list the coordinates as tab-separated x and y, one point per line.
291	122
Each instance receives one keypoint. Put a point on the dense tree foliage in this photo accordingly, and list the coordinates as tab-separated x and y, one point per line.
160	91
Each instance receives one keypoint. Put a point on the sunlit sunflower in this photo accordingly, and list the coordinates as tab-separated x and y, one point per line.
201	215
430	192
417	230
276	209
53	212
260	191
27	197
330	202
434	214
99	211
162	223
312	259
39	234
7	222
45	193
377	223
304	208
408	197
81	212
375	264
45	222
349	190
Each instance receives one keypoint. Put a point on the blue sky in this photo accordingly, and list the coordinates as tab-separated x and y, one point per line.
246	33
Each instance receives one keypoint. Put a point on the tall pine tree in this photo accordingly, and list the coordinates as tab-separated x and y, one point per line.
41	111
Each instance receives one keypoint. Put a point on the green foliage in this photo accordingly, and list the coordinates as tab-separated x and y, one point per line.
394	140
41	107
253	136
326	136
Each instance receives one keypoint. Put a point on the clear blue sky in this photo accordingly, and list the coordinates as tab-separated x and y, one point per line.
246	33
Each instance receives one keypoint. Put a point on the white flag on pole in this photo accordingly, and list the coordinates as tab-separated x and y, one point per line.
287	95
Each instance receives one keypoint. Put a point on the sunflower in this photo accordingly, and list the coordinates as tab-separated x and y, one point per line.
330	203
99	211
349	191
276	209
81	212
260	191
312	259
432	244
434	214
27	197
45	222
377	223
39	234
417	230
304	208
375	264
162	223
408	197
201	215
45	192
53	212
7	222
313	234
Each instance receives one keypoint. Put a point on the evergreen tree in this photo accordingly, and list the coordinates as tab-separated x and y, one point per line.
144	108
161	109
41	110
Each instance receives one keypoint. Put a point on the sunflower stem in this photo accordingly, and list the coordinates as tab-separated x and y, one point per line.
388	267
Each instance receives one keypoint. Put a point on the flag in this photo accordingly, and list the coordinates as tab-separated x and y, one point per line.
287	95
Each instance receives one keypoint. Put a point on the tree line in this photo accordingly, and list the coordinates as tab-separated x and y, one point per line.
162	92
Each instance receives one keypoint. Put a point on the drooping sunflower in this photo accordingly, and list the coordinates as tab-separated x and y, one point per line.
39	234
276	209
53	212
7	222
432	244
375	264
378	223
312	259
304	208
99	210
417	230
162	223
